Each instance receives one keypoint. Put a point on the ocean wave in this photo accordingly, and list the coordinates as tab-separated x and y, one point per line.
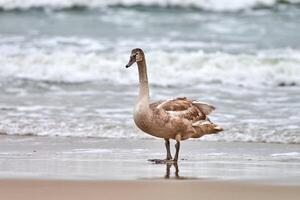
117	130
254	135
41	127
211	5
78	64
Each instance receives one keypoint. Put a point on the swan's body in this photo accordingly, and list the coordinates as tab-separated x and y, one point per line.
178	119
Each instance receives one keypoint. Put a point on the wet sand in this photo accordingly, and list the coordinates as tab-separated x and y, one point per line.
94	168
66	158
155	189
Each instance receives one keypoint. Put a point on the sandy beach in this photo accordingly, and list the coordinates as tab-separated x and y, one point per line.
155	189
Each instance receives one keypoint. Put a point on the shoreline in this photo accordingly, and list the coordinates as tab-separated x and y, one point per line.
72	158
142	189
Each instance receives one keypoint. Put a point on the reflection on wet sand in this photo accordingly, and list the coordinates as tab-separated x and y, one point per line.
168	169
169	165
177	176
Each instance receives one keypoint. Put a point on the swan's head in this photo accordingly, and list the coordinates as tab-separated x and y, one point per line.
137	55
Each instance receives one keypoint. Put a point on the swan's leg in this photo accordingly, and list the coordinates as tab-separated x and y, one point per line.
177	147
167	143
176	170
169	156
168	167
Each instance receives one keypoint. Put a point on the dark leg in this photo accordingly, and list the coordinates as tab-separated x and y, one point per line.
167	143
168	167
177	146
169	156
176	170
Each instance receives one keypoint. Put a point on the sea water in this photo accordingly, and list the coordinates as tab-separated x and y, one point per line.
62	65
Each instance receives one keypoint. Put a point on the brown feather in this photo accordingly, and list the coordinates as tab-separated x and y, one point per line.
181	107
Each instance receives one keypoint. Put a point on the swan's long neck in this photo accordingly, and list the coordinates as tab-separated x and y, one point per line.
143	113
144	87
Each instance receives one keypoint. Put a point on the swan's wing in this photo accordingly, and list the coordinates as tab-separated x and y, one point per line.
194	111
204	107
179	104
184	108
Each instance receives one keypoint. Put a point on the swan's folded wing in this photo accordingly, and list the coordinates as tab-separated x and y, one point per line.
180	107
204	107
179	104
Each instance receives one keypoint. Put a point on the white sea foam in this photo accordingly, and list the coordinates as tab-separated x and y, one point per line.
292	137
40	126
75	124
75	64
116	130
214	5
22	122
293	154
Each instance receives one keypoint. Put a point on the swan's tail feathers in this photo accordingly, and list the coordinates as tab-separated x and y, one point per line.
218	129
204	107
204	127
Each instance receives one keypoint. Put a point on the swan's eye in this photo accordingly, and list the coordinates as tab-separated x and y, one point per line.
134	55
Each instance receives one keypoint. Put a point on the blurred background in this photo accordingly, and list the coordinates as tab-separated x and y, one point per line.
62	65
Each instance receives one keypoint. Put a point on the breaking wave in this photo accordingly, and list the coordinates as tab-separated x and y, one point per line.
211	5
79	64
114	129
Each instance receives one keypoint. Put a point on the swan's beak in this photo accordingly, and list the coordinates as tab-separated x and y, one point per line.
131	61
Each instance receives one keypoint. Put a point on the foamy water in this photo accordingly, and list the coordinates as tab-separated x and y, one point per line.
78	63
62	73
214	5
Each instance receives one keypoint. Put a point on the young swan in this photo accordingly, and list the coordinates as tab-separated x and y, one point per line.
178	119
